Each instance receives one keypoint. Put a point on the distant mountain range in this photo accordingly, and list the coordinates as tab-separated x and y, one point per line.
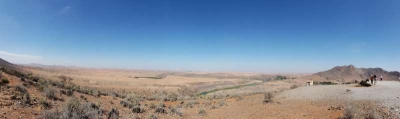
339	73
350	73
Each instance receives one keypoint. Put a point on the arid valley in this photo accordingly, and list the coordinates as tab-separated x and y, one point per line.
40	91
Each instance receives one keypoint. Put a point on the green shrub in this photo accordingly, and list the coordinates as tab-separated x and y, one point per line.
5	81
280	77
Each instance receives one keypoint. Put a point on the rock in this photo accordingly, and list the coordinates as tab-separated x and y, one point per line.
348	90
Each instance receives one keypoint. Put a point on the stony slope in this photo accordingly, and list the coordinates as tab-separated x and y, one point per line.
351	73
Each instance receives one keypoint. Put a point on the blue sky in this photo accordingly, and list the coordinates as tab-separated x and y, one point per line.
270	36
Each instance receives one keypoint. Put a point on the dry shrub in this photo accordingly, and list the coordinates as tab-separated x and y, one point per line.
152	116
45	104
191	103
360	111
268	97
23	95
176	111
222	103
161	110
172	97
202	112
152	106
113	114
50	93
138	109
47	114
293	86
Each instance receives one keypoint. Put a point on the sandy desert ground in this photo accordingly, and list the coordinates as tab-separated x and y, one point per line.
126	94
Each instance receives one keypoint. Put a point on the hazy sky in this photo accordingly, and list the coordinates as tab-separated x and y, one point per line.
275	36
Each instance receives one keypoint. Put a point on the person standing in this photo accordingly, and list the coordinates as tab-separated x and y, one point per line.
371	78
374	79
381	77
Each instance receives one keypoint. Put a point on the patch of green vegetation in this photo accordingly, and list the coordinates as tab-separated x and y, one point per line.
281	77
226	88
148	77
4	81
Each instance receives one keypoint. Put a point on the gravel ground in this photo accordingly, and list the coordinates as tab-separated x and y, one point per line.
386	93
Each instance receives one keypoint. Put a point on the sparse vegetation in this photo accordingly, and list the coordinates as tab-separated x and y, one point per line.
75	110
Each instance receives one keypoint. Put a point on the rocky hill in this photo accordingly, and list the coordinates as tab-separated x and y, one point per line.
351	73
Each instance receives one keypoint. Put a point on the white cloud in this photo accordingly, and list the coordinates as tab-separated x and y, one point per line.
19	55
65	9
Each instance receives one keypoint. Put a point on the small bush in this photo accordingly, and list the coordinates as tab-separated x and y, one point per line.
349	113
113	114
40	88
23	94
126	104
20	89
191	103
69	92
152	106
176	111
96	93
5	81
202	112
22	79
153	116
293	86
161	110
172	97
45	104
50	93
222	103
138	109
48	114
268	97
